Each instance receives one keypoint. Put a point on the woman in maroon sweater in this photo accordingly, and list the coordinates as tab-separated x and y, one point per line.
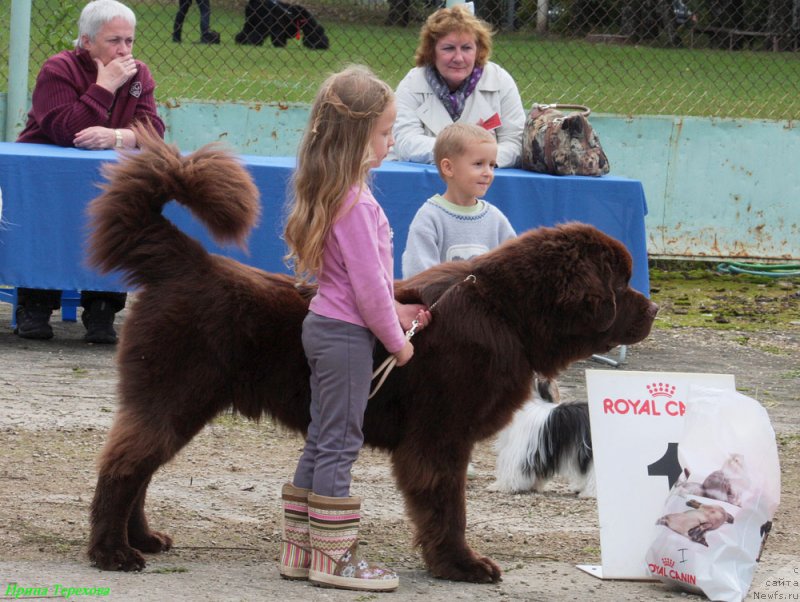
88	97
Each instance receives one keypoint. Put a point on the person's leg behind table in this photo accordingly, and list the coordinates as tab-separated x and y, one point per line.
340	356
34	307
207	35
99	311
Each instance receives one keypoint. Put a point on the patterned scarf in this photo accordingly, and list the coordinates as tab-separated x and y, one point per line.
453	101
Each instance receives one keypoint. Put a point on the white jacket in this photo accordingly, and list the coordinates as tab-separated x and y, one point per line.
421	115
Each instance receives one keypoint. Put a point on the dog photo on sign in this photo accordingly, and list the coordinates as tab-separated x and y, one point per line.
726	484
694	524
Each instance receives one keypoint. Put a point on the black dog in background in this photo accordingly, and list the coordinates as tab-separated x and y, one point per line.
280	21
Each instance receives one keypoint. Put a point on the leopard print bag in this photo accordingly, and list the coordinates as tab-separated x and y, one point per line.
562	145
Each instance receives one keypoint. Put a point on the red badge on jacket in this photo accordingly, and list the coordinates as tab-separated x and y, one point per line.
492	123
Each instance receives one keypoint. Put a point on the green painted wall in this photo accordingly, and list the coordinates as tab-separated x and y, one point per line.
254	129
716	188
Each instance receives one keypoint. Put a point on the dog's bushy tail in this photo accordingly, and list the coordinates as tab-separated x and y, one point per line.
129	232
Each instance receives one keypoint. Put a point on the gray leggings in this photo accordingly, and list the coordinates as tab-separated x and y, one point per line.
340	357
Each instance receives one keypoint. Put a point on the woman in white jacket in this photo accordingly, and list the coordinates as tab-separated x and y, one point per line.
454	81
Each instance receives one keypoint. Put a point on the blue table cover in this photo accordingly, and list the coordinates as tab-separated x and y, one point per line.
46	189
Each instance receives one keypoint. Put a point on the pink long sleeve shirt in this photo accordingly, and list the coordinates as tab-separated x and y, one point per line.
66	100
356	282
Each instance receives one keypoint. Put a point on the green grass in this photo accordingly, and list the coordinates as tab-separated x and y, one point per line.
610	78
697	296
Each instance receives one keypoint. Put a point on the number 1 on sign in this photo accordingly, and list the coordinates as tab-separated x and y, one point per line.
667	466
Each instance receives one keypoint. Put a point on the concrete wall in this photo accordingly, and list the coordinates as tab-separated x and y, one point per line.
716	188
253	129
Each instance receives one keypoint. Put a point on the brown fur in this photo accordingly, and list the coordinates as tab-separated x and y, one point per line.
206	333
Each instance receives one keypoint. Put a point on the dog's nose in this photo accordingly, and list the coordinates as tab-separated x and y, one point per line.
652	310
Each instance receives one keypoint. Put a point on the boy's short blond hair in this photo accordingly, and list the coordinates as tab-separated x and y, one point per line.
454	140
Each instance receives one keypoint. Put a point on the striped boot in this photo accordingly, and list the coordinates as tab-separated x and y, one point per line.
334	547
295	547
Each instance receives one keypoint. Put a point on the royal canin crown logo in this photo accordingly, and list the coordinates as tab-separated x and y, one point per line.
661	390
668	562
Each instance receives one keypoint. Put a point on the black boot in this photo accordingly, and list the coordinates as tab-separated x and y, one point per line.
99	322
33	321
209	37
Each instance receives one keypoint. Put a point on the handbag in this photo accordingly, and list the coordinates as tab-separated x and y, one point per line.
562	145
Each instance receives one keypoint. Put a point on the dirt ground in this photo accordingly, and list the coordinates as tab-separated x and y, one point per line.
219	498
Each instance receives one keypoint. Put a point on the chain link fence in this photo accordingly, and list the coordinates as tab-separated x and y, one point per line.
726	58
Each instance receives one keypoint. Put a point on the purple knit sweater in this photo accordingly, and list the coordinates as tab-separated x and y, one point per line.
356	283
66	100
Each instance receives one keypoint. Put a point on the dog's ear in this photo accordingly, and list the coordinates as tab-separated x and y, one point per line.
591	296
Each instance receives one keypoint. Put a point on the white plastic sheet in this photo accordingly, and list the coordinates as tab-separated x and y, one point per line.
718	513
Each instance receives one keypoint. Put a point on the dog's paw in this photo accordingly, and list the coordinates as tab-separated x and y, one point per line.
502	487
151	542
477	569
486	570
118	559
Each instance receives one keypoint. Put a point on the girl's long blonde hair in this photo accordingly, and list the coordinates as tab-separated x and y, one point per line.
334	155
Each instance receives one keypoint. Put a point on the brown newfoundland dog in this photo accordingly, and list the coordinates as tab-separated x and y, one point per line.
207	333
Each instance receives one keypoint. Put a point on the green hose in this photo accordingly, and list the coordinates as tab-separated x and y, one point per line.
770	270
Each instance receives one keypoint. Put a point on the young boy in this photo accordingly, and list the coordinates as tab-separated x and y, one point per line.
458	224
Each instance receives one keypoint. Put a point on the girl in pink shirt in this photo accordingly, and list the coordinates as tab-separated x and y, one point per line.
338	235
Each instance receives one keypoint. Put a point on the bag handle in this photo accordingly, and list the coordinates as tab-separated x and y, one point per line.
582	109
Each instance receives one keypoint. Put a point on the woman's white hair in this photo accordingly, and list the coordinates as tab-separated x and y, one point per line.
99	12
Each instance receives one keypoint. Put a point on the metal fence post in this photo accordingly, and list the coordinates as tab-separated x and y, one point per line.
511	11
18	50
541	16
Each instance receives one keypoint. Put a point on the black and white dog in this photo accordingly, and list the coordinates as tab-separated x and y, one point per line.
546	438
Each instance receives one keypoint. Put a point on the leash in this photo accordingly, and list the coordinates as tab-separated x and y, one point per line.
390	362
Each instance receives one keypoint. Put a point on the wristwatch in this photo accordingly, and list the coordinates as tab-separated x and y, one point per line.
118	134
